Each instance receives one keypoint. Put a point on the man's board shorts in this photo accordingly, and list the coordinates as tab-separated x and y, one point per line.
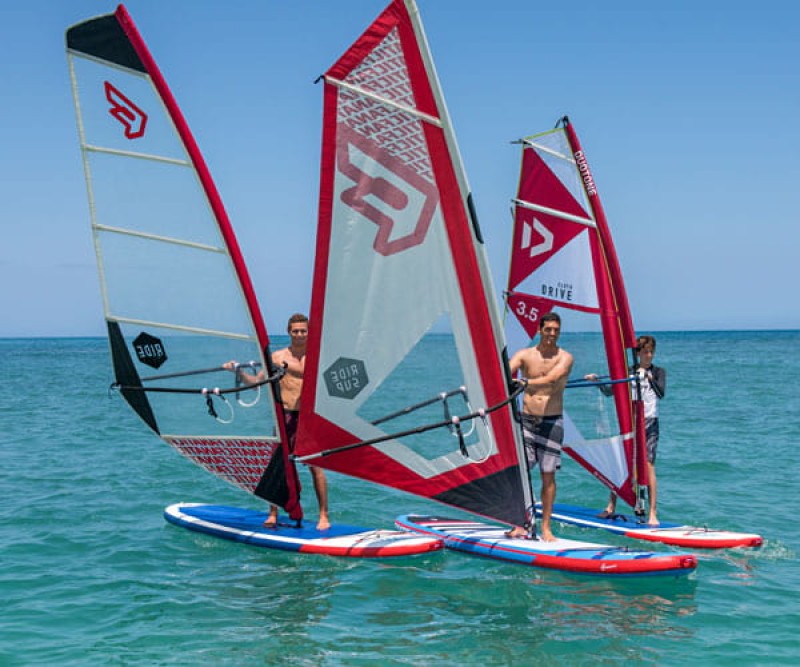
651	431
543	437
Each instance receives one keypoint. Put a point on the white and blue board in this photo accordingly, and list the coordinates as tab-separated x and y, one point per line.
566	555
246	525
674	534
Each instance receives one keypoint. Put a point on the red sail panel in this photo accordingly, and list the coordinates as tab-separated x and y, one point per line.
176	292
399	282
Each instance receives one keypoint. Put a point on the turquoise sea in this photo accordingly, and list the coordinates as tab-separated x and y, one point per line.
92	575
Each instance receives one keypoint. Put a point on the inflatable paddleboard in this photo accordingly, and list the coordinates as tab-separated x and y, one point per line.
565	555
245	525
675	534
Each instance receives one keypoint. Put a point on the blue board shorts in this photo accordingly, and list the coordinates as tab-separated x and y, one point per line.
543	437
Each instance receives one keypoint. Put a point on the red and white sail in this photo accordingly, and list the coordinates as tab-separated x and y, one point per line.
563	258
177	297
402	308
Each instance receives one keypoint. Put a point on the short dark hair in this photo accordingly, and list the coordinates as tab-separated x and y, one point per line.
294	319
549	317
645	341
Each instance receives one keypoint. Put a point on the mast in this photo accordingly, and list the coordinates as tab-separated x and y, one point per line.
617	323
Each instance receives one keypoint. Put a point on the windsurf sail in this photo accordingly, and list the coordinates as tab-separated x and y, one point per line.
176	294
563	258
406	380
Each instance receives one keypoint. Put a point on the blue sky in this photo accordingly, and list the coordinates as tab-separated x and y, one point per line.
688	112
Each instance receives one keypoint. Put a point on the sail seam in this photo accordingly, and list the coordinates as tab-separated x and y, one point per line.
179	327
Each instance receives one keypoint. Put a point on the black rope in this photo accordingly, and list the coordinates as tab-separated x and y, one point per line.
461	444
210	405
272	379
576	384
200	371
422	404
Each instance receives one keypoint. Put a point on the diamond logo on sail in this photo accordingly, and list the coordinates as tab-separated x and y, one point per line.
149	350
545	245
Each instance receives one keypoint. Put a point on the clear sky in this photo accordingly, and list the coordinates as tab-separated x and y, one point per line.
688	112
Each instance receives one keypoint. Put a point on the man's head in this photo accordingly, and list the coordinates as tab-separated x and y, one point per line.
550	328
298	328
646	343
297	318
549	317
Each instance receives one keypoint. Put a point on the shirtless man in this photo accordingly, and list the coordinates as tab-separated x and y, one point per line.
291	384
545	368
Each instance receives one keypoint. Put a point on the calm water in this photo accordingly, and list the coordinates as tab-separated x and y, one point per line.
92	575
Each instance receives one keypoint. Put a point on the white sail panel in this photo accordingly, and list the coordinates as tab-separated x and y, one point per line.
177	298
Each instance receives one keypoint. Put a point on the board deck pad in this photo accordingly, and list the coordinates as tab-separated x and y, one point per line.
567	555
674	534
246	525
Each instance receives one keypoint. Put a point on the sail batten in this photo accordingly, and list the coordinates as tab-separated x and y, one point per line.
588	222
179	328
134	154
383	100
157	237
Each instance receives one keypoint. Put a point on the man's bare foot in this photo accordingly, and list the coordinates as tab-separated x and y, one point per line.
323	523
546	535
516	533
653	520
271	521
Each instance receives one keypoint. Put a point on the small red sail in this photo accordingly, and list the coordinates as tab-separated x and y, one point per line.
563	258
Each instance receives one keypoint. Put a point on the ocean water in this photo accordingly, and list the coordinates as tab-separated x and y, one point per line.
92	575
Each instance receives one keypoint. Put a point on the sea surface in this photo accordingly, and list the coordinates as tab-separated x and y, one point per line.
92	575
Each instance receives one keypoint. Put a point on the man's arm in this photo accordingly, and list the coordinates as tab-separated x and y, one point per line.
556	374
515	363
659	381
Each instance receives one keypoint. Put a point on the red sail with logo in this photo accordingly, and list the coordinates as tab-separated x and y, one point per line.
406	382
